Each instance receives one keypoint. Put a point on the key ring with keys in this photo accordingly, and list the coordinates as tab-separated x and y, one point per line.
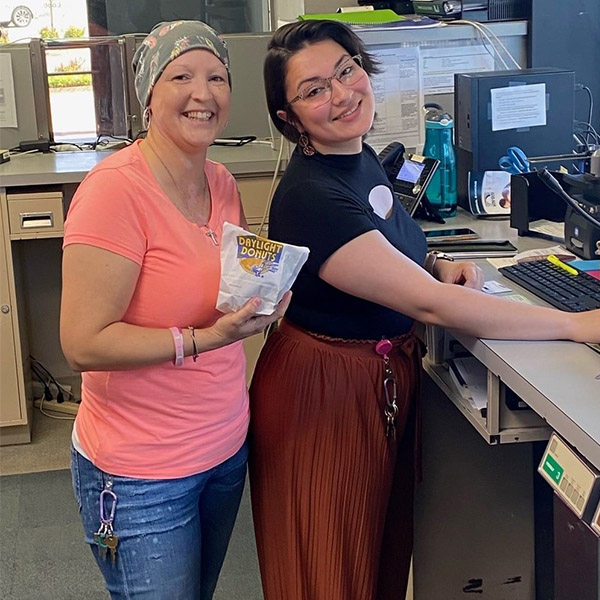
390	388
111	515
105	537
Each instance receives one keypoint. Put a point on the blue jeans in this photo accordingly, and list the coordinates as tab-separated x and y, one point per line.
173	533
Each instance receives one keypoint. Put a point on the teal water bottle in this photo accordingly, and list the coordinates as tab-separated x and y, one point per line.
439	129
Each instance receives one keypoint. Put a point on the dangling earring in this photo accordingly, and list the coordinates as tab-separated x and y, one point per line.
304	143
146	116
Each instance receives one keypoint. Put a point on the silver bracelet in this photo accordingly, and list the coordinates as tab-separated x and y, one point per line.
432	257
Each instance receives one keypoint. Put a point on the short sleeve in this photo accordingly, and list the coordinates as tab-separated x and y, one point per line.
105	213
315	215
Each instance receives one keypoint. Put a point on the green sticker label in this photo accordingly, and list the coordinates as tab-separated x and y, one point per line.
553	469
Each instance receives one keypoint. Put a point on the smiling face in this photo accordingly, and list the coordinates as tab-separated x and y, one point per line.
336	127
190	101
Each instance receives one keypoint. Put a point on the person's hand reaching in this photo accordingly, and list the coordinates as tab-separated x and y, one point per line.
465	273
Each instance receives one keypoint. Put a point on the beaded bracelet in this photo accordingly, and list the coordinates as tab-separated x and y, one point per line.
178	340
194	344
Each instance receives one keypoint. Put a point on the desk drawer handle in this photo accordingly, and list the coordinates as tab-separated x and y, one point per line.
5	309
37	220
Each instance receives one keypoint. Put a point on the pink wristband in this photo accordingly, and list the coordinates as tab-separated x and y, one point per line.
178	340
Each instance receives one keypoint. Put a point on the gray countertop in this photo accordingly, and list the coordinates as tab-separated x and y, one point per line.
560	380
71	167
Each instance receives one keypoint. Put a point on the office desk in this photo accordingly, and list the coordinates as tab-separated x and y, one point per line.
483	517
560	380
30	263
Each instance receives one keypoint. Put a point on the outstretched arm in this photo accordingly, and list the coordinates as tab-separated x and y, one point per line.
389	278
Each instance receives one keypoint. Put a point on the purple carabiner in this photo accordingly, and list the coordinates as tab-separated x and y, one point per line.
112	508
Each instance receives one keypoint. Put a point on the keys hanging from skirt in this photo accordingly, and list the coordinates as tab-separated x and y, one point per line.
390	388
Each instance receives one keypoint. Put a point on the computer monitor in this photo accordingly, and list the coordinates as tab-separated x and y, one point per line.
532	109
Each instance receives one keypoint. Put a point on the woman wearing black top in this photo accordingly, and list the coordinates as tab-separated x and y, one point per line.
333	399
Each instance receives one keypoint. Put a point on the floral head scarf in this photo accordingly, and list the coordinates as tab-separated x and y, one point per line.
165	43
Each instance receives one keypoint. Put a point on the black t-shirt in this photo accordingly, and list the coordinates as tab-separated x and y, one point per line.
323	203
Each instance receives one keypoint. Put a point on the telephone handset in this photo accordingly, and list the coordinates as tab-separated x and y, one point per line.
391	153
409	175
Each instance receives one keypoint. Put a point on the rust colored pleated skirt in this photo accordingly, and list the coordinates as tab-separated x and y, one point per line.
332	496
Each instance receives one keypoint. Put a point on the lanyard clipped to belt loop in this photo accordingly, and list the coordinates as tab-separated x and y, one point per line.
390	388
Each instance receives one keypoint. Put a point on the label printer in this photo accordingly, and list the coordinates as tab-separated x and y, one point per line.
582	237
533	199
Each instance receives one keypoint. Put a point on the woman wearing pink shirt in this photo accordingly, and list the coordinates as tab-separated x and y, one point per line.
160	434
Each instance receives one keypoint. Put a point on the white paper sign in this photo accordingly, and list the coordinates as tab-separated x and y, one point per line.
8	106
398	98
440	64
518	106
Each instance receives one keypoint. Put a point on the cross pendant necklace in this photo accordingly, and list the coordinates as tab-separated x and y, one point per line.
209	232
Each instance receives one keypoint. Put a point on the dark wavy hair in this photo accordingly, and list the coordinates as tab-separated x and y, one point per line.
290	39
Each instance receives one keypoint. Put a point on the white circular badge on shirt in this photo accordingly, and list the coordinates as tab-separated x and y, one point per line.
381	199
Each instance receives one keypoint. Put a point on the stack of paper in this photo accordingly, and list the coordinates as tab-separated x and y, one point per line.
470	378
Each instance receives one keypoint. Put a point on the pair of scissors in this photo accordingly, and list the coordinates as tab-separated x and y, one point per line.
515	161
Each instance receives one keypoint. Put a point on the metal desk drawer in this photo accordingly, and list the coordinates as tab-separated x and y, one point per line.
35	215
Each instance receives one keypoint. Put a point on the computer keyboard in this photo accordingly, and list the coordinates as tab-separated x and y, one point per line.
572	293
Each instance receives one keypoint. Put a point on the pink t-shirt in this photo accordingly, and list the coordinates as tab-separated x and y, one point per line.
160	422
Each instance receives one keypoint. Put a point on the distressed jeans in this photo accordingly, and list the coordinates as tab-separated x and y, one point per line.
173	533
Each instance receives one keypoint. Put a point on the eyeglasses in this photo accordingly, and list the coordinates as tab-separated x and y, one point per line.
318	92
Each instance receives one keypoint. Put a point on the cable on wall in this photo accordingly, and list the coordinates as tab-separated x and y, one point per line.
487	35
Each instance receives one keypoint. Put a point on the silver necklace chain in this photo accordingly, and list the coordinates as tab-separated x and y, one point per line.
209	232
